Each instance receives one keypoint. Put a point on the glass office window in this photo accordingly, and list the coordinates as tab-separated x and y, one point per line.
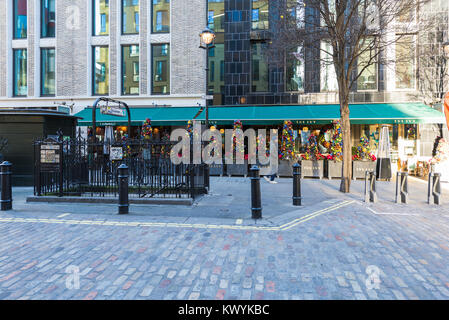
259	16
48	72
368	79
259	67
216	14
100	70
20	86
130	69
101	18
48	18
161	16
20	19
161	68
405	62
328	77
295	70
216	61
130	16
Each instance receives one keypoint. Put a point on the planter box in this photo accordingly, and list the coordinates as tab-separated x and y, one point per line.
237	169
333	169
265	169
312	168
360	167
285	168
216	169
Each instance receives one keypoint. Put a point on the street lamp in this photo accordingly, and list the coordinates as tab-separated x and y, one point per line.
207	39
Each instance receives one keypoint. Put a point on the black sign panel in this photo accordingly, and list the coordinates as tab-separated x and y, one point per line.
50	157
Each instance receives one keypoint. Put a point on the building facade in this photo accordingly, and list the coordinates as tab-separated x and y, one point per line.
55	52
147	54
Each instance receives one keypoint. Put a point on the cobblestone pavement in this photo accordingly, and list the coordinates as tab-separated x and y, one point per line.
334	247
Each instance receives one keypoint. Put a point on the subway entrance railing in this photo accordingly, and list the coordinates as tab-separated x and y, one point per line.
81	167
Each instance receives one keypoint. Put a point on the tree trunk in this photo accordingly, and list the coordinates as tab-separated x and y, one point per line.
346	175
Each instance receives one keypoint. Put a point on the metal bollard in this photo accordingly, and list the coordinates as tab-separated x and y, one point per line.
5	182
123	200
370	187
207	176
296	184
402	187
434	188
256	201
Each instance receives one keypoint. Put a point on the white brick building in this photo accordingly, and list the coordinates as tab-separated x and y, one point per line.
74	39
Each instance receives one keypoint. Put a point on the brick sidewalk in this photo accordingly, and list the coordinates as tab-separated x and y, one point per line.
357	251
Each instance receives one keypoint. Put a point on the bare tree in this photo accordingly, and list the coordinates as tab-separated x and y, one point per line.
357	34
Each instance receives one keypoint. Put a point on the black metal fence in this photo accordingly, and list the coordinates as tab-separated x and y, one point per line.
79	167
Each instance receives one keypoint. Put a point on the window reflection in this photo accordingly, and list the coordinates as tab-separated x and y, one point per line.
20	72
259	15
101	70
295	70
48	17
20	19
130	16
161	69
216	14
161	16
101	17
130	69
405	62
259	70
48	71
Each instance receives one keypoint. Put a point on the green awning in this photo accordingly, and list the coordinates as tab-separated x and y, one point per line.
160	116
379	113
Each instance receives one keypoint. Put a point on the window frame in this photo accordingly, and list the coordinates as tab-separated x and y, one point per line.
122	26
42	21
122	92
14	18
415	62
93	71
155	17
14	87
94	13
153	66
42	73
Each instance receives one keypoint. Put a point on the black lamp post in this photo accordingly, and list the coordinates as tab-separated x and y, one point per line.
207	39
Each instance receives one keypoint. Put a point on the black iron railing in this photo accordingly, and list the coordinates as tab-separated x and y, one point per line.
80	167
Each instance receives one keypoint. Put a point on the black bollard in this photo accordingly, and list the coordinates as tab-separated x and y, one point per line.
256	201
370	187
207	176
123	200
5	182
402	187
436	188
296	184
